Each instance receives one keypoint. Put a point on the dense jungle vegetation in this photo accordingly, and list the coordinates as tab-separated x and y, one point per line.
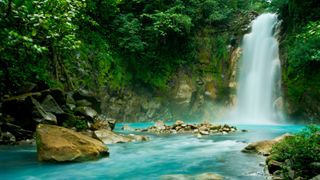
300	49
116	43
120	41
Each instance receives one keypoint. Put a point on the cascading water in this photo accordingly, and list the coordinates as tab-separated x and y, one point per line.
259	78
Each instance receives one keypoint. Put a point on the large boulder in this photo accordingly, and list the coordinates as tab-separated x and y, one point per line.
49	104
40	115
59	144
56	93
19	105
27	110
17	131
264	147
82	96
88	112
103	122
7	138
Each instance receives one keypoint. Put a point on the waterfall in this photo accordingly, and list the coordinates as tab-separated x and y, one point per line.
259	73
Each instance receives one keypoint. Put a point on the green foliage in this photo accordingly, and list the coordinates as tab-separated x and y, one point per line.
79	124
301	150
96	58
129	30
296	13
216	11
300	47
311	36
169	21
155	38
305	48
107	43
33	32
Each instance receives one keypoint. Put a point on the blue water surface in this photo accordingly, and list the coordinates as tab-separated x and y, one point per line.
163	154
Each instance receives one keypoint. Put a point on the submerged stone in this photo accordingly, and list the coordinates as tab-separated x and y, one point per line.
316	177
127	128
160	125
109	137
203	176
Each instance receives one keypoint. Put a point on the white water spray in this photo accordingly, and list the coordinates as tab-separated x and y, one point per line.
259	77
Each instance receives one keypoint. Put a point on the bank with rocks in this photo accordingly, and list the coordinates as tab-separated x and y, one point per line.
76	110
65	126
290	156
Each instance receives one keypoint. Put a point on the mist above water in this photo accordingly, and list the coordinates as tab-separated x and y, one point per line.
259	74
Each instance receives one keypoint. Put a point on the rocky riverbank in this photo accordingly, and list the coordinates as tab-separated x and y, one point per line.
66	126
264	148
69	126
76	110
284	168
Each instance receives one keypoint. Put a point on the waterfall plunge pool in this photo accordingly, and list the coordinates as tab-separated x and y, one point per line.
163	154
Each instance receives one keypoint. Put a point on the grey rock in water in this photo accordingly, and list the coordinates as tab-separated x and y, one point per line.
109	137
135	138
127	128
179	123
203	176
160	125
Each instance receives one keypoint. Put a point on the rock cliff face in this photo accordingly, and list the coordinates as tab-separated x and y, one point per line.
186	99
199	91
191	95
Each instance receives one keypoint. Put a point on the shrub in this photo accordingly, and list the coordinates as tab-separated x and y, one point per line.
78	123
299	152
